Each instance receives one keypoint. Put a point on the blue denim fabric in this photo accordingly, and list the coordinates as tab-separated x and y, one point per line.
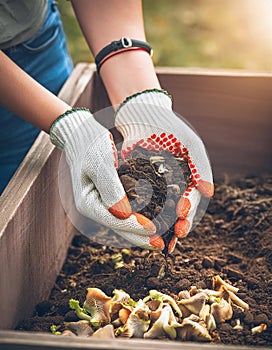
46	59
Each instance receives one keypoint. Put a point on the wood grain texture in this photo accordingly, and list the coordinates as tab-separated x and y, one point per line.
35	341
34	229
232	114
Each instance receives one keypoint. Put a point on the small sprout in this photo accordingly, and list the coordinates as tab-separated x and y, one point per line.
215	296
165	325
154	294
81	328
211	299
221	308
218	282
238	325
259	329
216	299
54	329
104	332
132	302
80	312
97	304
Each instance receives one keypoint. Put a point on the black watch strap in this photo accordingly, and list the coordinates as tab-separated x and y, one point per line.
117	45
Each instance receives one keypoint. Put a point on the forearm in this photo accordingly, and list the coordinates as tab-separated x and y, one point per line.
26	98
108	20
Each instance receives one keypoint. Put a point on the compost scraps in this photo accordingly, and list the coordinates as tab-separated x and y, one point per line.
190	315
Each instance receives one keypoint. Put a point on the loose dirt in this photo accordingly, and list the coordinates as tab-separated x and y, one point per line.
234	240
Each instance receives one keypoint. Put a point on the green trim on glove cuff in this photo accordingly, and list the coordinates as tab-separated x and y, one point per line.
141	93
62	128
69	111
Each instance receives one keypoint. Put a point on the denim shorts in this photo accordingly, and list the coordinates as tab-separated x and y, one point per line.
46	59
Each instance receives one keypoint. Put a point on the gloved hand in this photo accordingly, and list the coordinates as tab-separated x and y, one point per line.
147	120
98	193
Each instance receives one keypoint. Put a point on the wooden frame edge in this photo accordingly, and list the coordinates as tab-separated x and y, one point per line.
11	340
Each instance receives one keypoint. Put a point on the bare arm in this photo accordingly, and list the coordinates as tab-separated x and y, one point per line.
26	98
123	75
108	20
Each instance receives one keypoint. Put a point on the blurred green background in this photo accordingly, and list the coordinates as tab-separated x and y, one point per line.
196	33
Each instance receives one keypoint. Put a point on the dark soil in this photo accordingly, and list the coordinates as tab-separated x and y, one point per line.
154	182
232	240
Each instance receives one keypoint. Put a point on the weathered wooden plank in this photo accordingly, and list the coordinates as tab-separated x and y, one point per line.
77	91
35	341
232	113
32	241
34	230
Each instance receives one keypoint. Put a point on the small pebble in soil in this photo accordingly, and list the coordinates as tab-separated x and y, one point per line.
153	282
207	262
233	273
43	307
252	283
261	318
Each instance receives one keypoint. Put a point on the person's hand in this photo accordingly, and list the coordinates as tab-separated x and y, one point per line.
98	193
147	120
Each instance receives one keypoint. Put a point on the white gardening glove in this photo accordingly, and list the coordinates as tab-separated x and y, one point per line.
147	120
98	193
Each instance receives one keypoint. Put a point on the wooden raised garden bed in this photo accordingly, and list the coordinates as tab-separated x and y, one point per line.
231	110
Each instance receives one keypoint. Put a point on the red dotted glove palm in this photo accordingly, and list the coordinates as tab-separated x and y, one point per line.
147	120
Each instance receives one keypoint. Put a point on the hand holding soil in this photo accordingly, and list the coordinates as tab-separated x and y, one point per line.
154	183
146	120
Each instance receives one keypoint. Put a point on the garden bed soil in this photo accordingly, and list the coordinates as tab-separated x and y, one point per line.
233	240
